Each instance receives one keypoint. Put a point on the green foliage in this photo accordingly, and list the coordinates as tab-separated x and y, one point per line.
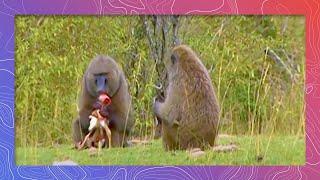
256	95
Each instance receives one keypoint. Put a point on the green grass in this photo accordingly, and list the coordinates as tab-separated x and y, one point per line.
279	150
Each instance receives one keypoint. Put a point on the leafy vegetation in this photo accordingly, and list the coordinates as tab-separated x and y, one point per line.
258	97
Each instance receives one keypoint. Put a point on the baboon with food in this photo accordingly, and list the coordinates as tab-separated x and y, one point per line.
104	77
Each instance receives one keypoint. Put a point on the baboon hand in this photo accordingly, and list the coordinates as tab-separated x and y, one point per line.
155	105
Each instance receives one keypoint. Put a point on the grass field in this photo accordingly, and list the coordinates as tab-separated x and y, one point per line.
258	150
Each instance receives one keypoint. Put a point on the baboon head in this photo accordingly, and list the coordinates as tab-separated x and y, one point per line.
102	76
181	59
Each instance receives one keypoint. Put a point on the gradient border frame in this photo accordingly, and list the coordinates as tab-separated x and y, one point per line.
308	8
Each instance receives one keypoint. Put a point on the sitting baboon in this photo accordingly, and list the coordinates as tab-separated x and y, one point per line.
190	111
104	77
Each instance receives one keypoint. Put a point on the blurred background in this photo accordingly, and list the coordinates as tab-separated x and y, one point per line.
256	64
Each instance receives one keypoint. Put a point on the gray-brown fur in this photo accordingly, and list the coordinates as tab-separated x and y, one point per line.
120	110
190	112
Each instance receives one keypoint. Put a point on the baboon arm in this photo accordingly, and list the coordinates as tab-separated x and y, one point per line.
167	112
76	131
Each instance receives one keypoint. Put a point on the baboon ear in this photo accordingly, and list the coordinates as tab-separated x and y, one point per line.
173	58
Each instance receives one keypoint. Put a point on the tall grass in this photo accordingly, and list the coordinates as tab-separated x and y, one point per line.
255	94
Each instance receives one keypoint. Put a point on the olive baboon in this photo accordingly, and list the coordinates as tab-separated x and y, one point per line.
190	111
104	76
